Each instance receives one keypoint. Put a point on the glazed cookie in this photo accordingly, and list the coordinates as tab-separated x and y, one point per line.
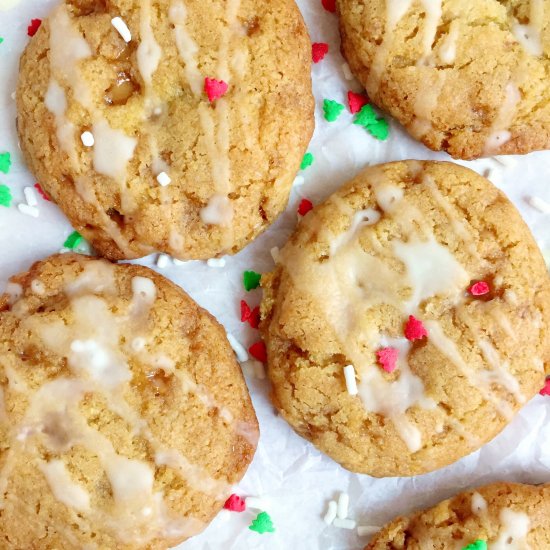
495	517
465	76
124	416
406	321
167	125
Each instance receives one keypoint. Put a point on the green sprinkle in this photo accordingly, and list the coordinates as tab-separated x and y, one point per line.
477	545
5	162
251	280
1	40
307	161
332	109
378	127
5	196
262	524
73	240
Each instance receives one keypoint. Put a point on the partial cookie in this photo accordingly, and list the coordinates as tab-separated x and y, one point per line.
464	76
497	516
124	416
420	282
163	125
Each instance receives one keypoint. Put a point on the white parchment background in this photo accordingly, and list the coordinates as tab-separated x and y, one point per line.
294	478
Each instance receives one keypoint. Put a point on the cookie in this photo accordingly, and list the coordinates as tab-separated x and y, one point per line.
500	515
124	416
463	76
419	284
164	125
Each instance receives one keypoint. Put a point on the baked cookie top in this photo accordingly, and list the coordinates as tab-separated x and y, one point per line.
167	125
495	517
466	77
422	280
124	416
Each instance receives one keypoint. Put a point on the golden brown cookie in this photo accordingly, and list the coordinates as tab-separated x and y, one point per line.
496	517
167	125
464	76
124	416
420	282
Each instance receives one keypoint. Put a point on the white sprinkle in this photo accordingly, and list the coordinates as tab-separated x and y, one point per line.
330	515
13	96
299	181
216	262
64	250
367	530
122	28
538	204
164	179
163	260
178	262
238	348
38	287
30	196
343	505
344	523
28	210
255	503
351	383
347	71
138	344
276	254
87	139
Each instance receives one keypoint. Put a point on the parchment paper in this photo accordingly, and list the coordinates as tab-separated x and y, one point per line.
293	478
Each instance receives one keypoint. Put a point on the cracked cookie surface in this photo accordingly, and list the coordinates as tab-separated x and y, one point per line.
466	77
407	239
124	416
119	129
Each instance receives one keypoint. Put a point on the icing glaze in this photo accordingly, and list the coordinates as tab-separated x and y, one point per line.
514	528
529	36
67	48
98	362
64	489
149	52
479	504
499	134
433	11
218	211
56	102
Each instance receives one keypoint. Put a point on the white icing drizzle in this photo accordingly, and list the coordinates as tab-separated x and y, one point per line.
353	281
113	149
499	133
529	36
425	102
64	489
98	364
431	270
395	11
67	48
433	12
56	102
513	531
187	47
218	211
149	52
447	50
479	504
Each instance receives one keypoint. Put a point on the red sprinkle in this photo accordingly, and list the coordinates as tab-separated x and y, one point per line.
414	329
251	316
41	191
258	351
479	289
304	207
387	357
235	503
356	102
318	51
329	5
34	26
546	389
215	88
